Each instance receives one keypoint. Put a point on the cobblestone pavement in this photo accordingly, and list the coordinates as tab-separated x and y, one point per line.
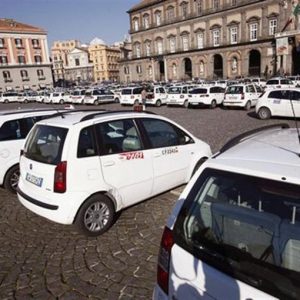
43	260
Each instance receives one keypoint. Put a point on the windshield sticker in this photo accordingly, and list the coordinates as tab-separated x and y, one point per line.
169	151
132	155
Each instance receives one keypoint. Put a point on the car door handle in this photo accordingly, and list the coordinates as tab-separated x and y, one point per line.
108	163
157	154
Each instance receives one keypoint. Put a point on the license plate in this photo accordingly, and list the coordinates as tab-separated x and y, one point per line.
38	181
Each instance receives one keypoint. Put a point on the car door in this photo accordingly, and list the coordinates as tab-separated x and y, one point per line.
163	95
295	95
171	152
126	166
277	103
253	96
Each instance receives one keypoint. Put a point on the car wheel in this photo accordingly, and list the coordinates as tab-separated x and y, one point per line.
158	103
12	178
117	100
186	104
248	105
213	104
264	113
96	215
25	101
96	102
6	101
61	101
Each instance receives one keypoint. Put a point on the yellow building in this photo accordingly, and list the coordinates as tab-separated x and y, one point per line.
105	60
59	52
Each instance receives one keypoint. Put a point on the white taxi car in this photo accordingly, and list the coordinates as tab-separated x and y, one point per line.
234	233
14	126
279	102
56	98
85	166
279	82
156	96
77	96
241	95
131	96
206	96
178	95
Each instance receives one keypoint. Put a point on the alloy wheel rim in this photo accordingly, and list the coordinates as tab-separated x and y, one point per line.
96	216
14	180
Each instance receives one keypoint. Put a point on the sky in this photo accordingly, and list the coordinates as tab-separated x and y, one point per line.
73	19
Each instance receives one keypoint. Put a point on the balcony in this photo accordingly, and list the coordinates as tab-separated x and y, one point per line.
41	78
205	12
6	80
25	78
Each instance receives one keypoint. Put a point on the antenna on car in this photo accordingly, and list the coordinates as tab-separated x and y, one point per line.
295	118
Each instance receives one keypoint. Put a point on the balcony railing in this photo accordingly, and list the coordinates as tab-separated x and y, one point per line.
25	78
192	15
41	77
7	80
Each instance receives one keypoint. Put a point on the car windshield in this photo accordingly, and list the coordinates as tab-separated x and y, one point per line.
56	95
174	90
45	144
246	226
237	89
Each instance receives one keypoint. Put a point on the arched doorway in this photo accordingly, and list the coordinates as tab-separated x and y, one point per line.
296	61
254	63
161	70
187	68
218	66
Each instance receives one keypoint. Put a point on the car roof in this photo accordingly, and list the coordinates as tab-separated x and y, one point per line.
70	118
258	155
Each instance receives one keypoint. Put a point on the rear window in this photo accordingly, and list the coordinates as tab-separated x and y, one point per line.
238	89
198	91
273	81
247	227
55	95
45	144
174	90
126	91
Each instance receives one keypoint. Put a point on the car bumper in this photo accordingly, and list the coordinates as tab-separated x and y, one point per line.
234	103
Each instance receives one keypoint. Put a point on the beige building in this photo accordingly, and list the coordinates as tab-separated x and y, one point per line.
24	57
105	60
59	53
188	39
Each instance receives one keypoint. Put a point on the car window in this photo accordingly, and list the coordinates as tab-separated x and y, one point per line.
137	91
296	96
251	89
126	92
272	81
214	90
45	144
163	134
235	89
174	90
198	91
248	224
162	90
86	144
118	136
275	95
11	130
286	81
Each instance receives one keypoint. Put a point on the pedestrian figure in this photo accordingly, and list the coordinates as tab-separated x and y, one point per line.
144	97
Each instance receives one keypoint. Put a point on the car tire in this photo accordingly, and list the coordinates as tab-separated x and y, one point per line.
96	102
6	101
213	104
61	101
11	179
264	113
186	104
158	103
248	105
95	216
25	101
117	100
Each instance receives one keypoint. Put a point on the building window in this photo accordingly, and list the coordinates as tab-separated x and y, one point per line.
77	62
126	70
172	42
139	69
40	74
3	60
185	42
272	26
158	18
18	43
159	44
199	6
24	75
21	59
135	24
148	48
216	37
253	31
6	76
233	2
35	43
37	59
233	35
170	13
146	21
215	4
150	71
200	40
184	9
1	43
138	50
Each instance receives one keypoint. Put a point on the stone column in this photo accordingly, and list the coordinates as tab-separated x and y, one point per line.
11	53
28	51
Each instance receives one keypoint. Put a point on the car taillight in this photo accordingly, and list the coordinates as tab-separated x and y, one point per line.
21	152
242	96
164	260
60	177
